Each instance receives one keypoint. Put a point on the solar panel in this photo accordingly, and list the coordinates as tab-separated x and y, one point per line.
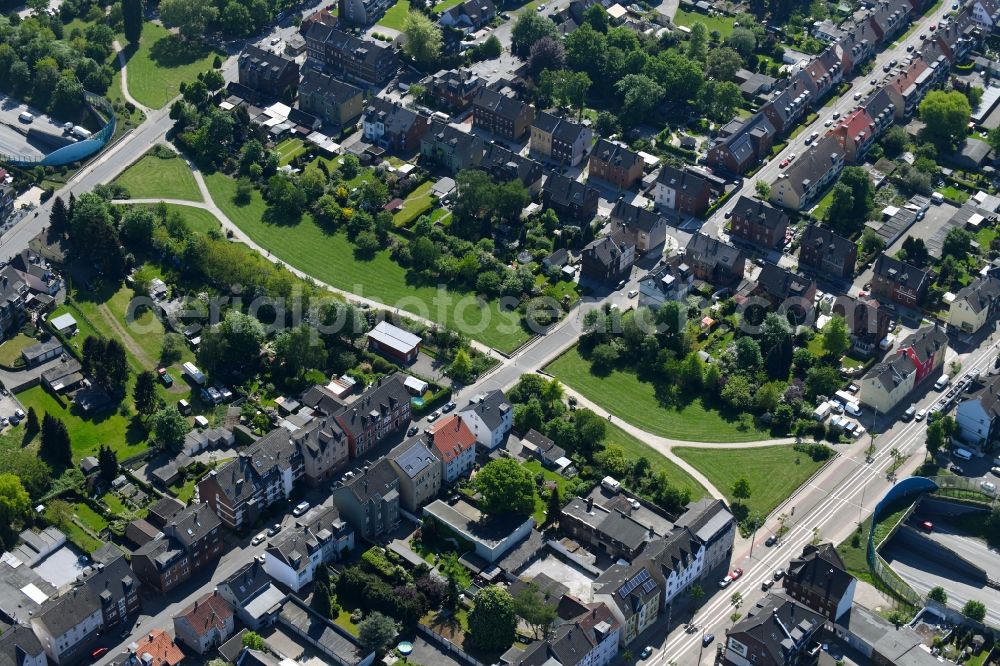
633	582
649	586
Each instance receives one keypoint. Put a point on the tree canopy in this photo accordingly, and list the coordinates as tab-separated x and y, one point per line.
492	622
506	487
946	116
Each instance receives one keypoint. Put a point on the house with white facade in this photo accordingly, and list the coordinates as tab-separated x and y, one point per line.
976	415
975	304
65	626
319	536
490	417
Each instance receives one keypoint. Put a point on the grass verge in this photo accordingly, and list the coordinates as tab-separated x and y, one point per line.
155	177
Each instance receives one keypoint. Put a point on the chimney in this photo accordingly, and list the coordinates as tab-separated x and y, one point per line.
590	505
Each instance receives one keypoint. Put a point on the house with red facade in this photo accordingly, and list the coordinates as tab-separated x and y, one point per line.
191	540
900	282
381	410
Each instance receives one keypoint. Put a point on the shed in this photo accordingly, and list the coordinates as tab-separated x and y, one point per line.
415	386
394	342
64	324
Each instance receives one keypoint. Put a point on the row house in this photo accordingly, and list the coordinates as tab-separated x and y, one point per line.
20	647
501	114
758	223
242	489
190	541
383	409
252	596
818	579
679	559
361	12
788	106
714	261
882	111
324	448
419	473
857	45
616	164
369	502
833	66
454	89
393	126
888	18
856	132
633	593
985	14
804	181
907	87
867	321
681	190
978	414
66	625
921	354
787	292
363	60
111	579
737	152
318	537
827	253
898	281
778	631
205	624
14	292
504	165
587	635
559	139
454	444
452	148
645	229
35	271
570	198
330	99
607	259
268	73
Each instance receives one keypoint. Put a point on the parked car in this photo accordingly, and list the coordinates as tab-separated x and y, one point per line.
449	407
783	163
300	508
770	541
257	540
724	583
412	431
995	470
988	487
435	415
19	413
921	414
707	640
273	529
633	293
910	413
646	652
767	585
98	653
779	574
736	573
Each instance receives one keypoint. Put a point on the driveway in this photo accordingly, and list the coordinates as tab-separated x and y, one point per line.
11	379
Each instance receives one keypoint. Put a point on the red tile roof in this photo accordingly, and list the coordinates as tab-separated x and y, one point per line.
210	611
452	438
161	647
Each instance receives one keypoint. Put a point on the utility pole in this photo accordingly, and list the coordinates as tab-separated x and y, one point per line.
753	538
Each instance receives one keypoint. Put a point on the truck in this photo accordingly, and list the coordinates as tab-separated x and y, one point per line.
192	371
611	484
80	132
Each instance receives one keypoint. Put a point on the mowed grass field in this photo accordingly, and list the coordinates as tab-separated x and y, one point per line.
624	395
155	177
330	257
724	24
774	472
199	220
161	63
395	15
415	205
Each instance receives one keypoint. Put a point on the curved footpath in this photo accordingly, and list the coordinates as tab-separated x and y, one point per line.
123	68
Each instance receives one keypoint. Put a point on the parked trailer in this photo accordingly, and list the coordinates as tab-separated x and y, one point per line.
192	371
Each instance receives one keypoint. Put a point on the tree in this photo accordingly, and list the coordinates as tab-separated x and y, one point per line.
738	392
957	243
144	393
945	116
236	20
871	242
546	53
763	190
214	80
974	610
535	609
938	594
994	139
640	95
597	18
492	622
722	64
743	41
461	366
59	217
506	487
747	356
233	343
108	461
376	632
15	507
132	14
423	39
529	28
298	349
836	337
31	424
741	489
822	380
254	641
555	506
591	431
56	448
935	437
914	251
190	17
169	428
697	41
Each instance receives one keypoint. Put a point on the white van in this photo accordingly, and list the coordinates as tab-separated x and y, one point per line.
962	454
26	117
611	484
942	382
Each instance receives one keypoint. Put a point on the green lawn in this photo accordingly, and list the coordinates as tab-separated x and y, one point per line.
158	178
542	500
10	350
184	491
445	5
985	238
81	539
199	220
94	521
289	149
395	15
627	397
114	504
415	205
635	449
161	63
952	192
330	257
774	472
87	434
724	24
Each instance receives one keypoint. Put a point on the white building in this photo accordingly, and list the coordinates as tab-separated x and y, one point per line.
455	446
489	417
976	415
319	536
975	304
66	625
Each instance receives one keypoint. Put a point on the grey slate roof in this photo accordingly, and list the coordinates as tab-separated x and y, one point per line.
782	283
379	481
247	582
332	88
294	545
981	293
377	401
900	272
501	163
503	105
68	610
761	212
397	118
17	644
617	582
490	407
559	127
821	569
683	180
635	217
615	154
780	624
413	457
818	235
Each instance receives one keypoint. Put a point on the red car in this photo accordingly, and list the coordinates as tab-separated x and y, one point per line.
927	526
783	163
736	573
98	653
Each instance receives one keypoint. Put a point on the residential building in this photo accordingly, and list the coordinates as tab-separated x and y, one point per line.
452	148
679	558
268	73
501	115
976	415
547	452
330	99
590	639
641	227
36	272
384	408
369	502
252	596
362	60
786	291
805	179
882	643
888	18
419	473
156	648
917	357
739	150
190	541
65	625
205	624
454	444
632	593
504	165
393	126
361	12
975	304
985	14
454	89
559	139
110	578
882	111
898	281
867	321
856	132
324	448
670	281
394	342
907	87
778	631
20	647
681	190
7	196
570	198
265	473
789	104
713	526
469	16
613	523
818	579
758	223
616	164
827	253
714	261
490	417
491	539
13	297
607	259
318	537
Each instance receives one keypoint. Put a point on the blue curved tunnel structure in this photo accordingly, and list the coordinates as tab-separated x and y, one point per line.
101	108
